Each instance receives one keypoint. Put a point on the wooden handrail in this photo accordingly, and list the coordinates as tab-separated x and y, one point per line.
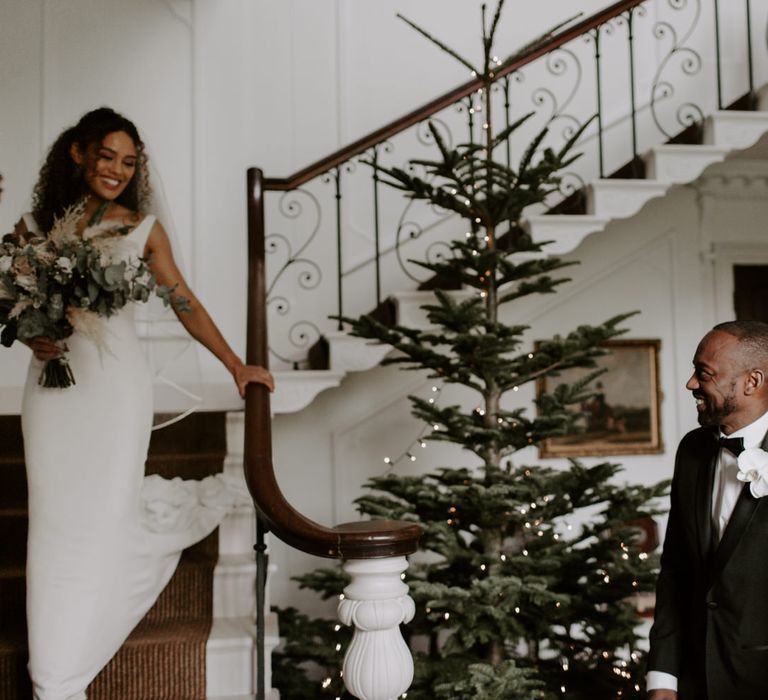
526	56
360	540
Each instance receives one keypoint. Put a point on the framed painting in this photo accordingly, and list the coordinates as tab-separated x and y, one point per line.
622	418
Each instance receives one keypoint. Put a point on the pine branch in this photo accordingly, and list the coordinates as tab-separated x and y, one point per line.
495	24
439	44
505	133
535	43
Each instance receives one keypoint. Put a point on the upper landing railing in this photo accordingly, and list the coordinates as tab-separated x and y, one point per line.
338	241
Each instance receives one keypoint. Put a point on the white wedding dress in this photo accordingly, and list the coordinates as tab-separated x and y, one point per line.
103	539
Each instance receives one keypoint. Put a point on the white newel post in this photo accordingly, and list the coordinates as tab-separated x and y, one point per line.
378	664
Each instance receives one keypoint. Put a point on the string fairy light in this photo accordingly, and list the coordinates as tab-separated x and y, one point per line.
419	441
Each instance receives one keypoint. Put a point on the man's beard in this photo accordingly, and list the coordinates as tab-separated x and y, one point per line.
714	416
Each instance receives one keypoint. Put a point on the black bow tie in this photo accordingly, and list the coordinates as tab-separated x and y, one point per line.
733	445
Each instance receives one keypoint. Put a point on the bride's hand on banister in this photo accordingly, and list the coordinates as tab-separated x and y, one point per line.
246	374
45	349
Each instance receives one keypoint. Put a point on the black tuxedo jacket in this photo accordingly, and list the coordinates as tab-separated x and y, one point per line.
711	622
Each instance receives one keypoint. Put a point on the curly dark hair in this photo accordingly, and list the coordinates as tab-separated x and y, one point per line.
61	184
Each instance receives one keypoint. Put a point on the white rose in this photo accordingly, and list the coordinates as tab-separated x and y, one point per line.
753	469
5	263
64	264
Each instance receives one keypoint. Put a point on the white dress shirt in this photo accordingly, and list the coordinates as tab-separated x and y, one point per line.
725	492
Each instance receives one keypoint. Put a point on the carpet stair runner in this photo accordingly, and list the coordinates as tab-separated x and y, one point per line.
164	658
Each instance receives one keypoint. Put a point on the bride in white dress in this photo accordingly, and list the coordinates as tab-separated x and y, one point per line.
103	542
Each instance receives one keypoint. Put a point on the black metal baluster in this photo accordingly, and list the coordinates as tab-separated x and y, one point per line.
750	66
375	163
262	562
337	177
596	37
506	119
471	119
636	168
471	122
718	58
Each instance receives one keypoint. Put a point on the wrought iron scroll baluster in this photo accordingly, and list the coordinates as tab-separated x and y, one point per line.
471	118
595	33
632	105
507	121
688	113
750	64
717	56
340	289
471	124
376	224
262	563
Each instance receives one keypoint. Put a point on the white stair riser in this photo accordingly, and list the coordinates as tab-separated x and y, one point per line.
237	533
234	590
735	129
235	436
229	670
621	198
564	233
271	695
230	660
676	165
350	354
296	390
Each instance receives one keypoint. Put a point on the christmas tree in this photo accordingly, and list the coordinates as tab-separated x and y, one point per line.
527	588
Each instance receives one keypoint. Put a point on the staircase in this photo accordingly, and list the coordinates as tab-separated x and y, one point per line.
197	640
726	134
672	95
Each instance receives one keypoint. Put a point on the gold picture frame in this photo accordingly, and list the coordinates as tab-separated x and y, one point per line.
623	418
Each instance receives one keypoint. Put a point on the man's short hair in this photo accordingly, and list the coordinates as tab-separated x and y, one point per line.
752	337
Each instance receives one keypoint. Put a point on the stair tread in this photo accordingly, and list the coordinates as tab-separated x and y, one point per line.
690	147
739	114
148	632
162	631
628	183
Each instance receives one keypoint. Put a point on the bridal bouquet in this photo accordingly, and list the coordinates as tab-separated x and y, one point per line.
65	281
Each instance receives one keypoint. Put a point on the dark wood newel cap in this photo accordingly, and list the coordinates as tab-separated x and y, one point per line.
375	539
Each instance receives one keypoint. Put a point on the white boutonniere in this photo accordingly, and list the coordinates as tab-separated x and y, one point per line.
753	468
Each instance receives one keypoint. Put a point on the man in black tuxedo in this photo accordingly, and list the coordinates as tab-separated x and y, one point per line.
709	640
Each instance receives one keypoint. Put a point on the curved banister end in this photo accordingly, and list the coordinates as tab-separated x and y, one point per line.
371	539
